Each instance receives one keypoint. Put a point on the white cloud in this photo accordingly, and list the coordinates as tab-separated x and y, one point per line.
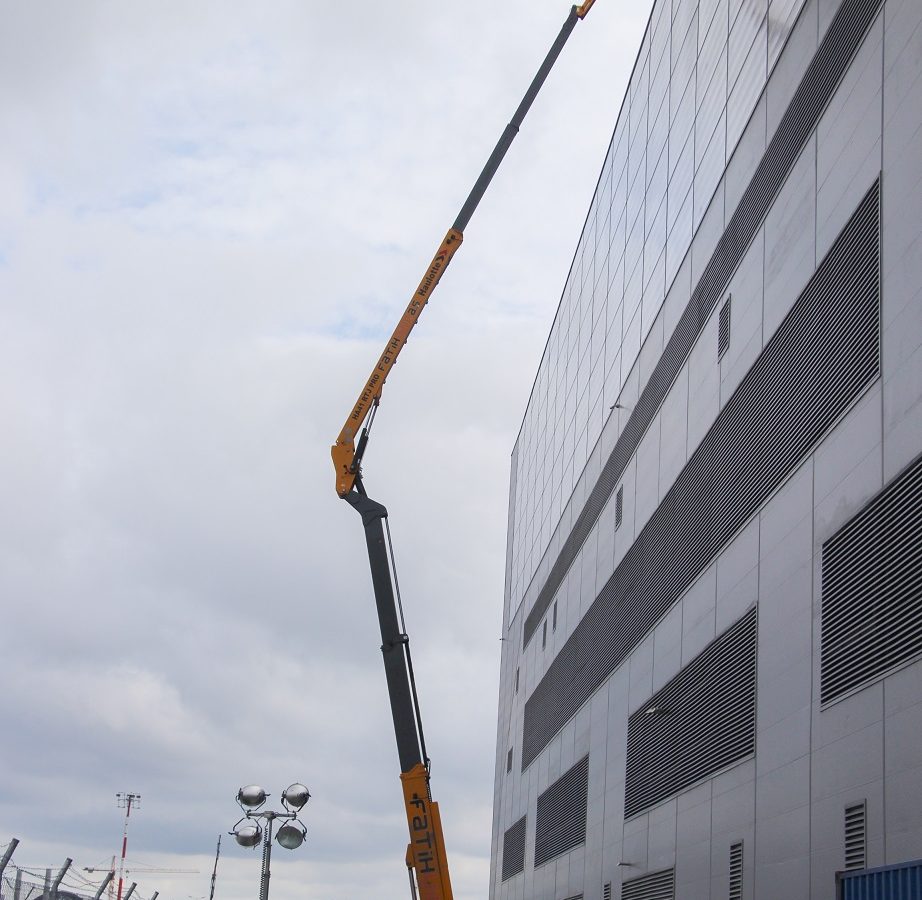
211	220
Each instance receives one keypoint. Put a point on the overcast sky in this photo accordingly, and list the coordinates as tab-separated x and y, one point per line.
212	215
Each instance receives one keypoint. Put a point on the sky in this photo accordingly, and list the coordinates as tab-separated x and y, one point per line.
213	215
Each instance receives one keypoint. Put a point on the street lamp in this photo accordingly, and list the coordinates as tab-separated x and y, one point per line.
290	835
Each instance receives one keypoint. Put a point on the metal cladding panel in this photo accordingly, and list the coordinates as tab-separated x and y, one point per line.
514	849
701	721
831	60
656	886
872	588
820	359
560	820
899	882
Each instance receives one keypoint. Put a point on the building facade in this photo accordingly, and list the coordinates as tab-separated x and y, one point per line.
711	683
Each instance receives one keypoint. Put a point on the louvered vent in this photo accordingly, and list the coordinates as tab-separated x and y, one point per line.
856	836
606	891
658	886
560	820
619	507
823	355
736	872
702	720
872	588
723	329
514	849
842	39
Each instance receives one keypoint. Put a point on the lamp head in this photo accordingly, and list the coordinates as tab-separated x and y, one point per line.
251	796
291	836
248	835
295	796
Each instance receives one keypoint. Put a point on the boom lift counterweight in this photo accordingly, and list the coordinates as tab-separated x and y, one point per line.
426	857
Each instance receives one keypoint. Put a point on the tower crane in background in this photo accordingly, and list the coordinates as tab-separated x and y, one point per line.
153	870
426	858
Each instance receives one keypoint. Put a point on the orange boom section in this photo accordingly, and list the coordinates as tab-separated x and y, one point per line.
426	851
343	451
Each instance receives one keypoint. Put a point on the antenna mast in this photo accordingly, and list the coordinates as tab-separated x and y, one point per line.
214	874
126	802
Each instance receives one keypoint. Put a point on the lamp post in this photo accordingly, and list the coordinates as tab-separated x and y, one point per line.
291	835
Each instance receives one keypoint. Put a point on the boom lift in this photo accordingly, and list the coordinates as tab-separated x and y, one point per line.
426	859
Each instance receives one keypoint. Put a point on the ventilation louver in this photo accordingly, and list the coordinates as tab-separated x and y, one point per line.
698	723
723	329
657	886
872	588
856	836
736	872
514	849
560	820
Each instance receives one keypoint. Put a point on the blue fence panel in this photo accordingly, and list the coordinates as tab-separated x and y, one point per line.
899	882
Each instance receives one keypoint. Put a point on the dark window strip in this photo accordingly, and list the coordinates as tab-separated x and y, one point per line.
816	88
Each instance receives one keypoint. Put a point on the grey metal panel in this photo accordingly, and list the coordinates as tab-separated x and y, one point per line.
790	252
786	74
872	587
782	857
902	144
817	86
560	818
682	165
799	386
700	722
781	16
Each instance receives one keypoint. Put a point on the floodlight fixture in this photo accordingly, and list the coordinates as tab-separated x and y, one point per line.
248	835
291	836
295	796
252	796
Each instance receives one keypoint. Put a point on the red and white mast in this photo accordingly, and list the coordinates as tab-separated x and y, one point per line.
125	801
